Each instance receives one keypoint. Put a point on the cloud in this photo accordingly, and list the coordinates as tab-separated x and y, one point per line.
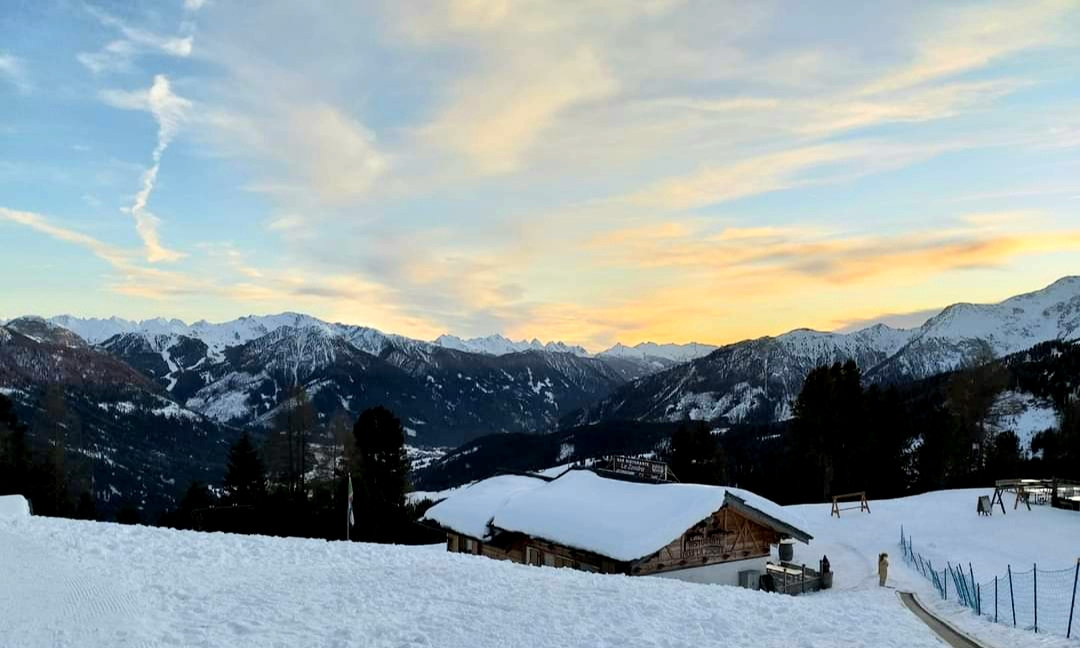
494	119
963	39
194	5
118	54
12	69
787	169
329	155
799	254
169	111
41	224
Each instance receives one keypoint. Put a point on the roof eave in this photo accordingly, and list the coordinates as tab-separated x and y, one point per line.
740	505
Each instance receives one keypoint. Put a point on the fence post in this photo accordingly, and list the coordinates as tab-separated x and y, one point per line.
1072	606
1035	588
1012	599
974	585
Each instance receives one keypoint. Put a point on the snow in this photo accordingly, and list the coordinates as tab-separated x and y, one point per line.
174	411
469	511
420	458
945	527
499	345
415	497
226	399
1024	414
98	585
1015	324
167	357
124	407
13	507
646	350
619	519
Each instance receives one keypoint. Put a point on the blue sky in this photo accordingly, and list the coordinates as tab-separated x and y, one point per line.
592	171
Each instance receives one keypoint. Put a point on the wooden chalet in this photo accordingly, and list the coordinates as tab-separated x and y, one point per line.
607	524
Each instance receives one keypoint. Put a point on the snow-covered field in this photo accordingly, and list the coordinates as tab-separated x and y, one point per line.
945	527
90	585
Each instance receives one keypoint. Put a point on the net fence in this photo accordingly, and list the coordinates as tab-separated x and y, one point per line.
1034	599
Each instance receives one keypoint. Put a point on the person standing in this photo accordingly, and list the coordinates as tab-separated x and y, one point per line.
882	568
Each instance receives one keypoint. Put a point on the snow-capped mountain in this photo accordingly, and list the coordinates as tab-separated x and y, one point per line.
965	332
117	423
499	345
243	371
674	353
758	380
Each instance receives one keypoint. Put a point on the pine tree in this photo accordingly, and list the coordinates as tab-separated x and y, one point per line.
245	478
696	457
380	472
87	507
15	462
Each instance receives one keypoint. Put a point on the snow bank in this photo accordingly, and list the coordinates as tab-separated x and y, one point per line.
469	510
97	585
14	507
619	519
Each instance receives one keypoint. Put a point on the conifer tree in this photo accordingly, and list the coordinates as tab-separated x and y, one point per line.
380	472
14	451
696	457
245	477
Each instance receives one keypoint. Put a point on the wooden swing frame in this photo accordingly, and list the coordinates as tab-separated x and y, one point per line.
837	499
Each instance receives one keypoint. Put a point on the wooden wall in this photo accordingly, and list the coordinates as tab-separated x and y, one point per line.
724	537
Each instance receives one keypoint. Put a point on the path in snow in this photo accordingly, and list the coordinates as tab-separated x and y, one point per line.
947	633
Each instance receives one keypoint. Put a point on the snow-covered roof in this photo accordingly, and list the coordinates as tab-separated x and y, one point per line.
469	510
13	507
626	520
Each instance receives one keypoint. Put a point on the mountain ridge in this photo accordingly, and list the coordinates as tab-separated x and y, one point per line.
757	380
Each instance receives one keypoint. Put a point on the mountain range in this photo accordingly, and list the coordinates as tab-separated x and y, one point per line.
159	393
758	380
241	372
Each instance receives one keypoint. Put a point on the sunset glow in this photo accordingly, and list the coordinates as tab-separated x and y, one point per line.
595	172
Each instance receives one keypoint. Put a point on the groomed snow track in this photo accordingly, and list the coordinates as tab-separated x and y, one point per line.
940	628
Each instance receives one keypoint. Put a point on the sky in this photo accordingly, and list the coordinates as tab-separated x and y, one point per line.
589	171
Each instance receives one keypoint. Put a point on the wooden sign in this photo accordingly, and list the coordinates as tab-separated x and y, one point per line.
642	468
985	508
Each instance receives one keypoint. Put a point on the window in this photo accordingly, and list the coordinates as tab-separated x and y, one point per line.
532	556
470	546
452	543
549	559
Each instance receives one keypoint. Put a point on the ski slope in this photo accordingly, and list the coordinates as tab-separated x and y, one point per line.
98	585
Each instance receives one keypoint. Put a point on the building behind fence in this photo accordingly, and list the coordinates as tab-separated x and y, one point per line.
1032	598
